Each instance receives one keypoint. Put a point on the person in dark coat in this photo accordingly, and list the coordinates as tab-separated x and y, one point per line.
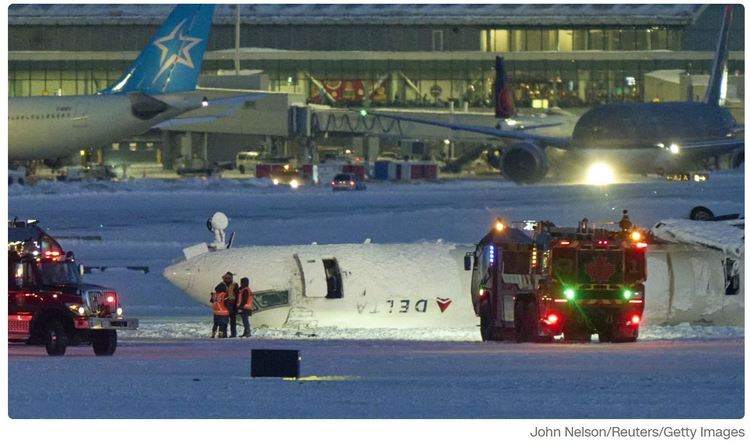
232	290
245	305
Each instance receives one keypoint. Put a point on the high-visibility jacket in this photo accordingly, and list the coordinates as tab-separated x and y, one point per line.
245	301
218	300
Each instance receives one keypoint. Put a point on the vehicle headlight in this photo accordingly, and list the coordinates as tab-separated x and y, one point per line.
275	181
293	183
119	311
78	309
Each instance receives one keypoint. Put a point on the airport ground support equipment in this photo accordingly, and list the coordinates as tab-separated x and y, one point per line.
533	281
49	305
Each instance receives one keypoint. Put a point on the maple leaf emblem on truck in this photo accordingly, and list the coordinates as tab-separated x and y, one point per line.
599	270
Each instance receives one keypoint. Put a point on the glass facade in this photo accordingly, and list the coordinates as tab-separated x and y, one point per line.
541	39
565	66
428	83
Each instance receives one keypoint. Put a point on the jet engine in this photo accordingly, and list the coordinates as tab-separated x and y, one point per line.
524	163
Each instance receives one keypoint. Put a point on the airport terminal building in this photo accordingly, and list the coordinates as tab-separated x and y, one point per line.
416	56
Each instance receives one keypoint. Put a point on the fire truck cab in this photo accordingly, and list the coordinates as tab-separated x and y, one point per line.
541	281
48	304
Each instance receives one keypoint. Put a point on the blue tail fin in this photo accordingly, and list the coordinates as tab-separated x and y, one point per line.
503	92
171	62
713	92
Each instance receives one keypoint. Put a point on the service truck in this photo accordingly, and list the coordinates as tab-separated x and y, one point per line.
49	304
534	281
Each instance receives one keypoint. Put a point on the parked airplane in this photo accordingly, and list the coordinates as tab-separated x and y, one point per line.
157	87
641	137
424	285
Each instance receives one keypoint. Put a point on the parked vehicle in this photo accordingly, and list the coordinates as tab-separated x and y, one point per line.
347	182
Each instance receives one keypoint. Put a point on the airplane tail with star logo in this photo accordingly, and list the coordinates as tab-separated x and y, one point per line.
171	62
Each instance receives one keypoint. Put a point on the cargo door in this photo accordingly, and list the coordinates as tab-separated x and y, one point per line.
313	275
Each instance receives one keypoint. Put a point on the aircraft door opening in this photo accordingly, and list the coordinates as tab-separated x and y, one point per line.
313	275
333	279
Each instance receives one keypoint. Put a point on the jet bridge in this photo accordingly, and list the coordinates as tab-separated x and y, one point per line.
309	120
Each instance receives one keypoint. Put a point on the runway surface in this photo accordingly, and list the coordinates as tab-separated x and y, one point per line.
384	379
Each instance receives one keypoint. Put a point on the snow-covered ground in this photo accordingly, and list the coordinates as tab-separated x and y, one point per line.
384	379
390	373
149	222
196	328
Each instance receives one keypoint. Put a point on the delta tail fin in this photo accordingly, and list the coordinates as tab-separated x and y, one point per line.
171	62
503	93
713	92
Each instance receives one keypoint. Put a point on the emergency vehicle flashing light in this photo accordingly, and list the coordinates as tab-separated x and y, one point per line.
569	293
641	245
499	226
635	236
552	318
635	319
627	294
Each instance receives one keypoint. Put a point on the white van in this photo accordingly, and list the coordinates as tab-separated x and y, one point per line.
245	162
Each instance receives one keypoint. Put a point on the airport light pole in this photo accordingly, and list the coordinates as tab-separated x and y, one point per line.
237	40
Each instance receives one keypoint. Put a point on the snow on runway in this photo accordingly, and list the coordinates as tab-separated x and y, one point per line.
385	379
167	369
148	222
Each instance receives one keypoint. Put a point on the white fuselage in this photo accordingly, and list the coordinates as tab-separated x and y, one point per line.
382	286
54	127
425	285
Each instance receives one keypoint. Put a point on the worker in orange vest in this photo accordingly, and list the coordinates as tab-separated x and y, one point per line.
245	305
221	314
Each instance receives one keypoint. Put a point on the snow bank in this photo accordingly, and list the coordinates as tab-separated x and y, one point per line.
200	328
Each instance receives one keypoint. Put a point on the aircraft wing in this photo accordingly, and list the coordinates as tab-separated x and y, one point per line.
713	147
559	142
233	104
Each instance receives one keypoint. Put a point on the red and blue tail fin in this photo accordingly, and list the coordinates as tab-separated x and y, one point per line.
503	94
713	91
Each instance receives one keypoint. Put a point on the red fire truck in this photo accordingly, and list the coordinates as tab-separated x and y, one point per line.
537	281
49	305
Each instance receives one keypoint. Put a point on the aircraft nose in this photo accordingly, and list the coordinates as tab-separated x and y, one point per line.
180	274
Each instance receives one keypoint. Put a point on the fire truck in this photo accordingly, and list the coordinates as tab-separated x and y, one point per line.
48	304
534	281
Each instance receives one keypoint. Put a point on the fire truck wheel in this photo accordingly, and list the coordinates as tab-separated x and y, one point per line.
606	332
485	323
56	339
574	332
525	321
104	342
621	338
